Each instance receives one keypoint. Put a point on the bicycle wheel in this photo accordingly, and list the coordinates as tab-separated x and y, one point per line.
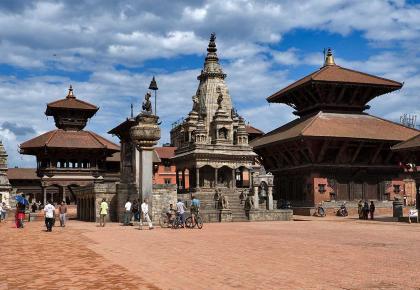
175	223
163	222
199	222
189	223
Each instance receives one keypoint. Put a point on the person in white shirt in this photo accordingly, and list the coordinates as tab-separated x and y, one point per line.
3	211
145	214
49	211
127	213
180	209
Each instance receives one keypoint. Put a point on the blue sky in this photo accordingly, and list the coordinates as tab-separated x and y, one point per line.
109	51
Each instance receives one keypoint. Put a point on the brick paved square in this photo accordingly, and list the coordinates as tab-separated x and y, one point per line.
328	253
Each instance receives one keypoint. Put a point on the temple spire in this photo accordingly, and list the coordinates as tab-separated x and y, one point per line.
212	43
70	93
329	58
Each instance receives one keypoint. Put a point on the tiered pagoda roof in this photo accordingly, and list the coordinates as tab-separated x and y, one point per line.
412	144
70	140
333	88
331	104
70	115
335	125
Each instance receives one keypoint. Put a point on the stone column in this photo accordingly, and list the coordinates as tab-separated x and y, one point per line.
270	198
63	188
215	177
233	178
145	135
197	178
256	200
146	173
183	179
177	179
44	192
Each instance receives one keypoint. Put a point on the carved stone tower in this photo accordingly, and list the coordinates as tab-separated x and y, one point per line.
212	140
5	187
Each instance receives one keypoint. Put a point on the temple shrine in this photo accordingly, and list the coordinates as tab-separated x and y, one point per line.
212	147
70	157
334	150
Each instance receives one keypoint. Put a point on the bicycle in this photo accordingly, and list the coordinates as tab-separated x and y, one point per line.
165	221
198	222
177	223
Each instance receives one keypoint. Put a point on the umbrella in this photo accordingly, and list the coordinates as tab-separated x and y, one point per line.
22	200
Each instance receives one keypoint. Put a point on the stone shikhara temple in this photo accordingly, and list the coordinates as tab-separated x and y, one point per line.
335	151
5	187
212	146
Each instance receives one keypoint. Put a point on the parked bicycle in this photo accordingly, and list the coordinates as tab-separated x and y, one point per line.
198	222
177	223
164	221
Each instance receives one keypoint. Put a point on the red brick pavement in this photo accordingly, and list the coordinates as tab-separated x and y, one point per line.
31	258
329	253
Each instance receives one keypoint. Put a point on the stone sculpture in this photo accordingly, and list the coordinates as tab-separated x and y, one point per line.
147	104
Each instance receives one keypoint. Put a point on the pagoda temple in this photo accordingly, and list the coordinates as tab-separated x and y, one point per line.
69	156
334	151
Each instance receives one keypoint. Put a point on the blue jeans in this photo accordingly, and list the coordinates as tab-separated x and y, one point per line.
182	217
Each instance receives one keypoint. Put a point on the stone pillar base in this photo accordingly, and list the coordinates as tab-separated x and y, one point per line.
225	215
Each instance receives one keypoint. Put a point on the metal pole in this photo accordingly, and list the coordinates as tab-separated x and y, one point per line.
155	104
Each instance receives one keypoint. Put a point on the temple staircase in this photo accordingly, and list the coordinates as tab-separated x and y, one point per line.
208	203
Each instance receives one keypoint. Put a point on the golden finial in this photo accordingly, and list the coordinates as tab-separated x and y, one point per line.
70	94
329	59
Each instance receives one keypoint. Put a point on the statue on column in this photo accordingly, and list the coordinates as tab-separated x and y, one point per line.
147	104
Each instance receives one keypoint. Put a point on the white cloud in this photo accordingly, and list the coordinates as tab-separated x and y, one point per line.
95	36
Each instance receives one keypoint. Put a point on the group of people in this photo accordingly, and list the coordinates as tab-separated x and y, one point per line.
365	210
140	214
132	210
50	215
180	210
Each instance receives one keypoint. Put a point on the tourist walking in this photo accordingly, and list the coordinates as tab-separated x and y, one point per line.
49	211
20	214
127	213
62	209
371	209
3	211
34	207
145	214
365	210
180	209
103	212
135	210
